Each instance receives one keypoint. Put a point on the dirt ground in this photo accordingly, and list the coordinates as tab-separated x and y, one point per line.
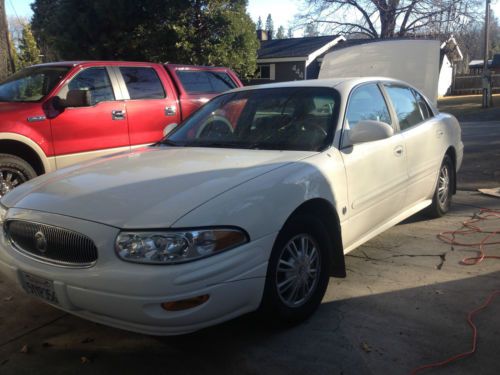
468	107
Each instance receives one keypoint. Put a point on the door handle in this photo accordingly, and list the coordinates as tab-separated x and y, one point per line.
118	114
398	150
170	110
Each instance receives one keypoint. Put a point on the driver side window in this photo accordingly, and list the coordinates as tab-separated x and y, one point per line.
367	103
96	81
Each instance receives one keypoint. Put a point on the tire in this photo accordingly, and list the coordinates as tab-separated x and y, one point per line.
278	304
13	172
441	200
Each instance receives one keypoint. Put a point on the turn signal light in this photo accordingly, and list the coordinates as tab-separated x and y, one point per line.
185	304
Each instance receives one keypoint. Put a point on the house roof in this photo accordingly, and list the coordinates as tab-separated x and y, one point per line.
293	47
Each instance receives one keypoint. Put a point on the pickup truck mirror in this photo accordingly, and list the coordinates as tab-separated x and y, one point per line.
169	128
368	131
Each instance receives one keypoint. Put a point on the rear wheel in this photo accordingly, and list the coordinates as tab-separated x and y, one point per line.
13	172
297	274
441	200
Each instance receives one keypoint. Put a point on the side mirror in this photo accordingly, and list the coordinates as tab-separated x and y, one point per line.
168	129
74	98
368	131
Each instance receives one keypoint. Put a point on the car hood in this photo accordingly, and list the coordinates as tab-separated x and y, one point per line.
148	188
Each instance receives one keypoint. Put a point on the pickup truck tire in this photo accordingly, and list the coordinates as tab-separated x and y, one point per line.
297	274
13	172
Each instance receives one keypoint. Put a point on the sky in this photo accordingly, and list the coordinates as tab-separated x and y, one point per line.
282	11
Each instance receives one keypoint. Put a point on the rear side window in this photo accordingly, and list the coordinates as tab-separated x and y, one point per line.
405	105
142	83
203	81
424	107
367	103
96	81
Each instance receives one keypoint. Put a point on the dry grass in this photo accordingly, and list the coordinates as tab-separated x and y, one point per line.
468	107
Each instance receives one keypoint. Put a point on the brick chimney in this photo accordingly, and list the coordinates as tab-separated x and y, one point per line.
263	35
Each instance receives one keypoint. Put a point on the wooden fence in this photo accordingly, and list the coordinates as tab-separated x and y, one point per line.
468	84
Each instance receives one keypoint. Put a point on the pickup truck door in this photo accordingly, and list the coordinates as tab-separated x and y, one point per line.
83	133
150	100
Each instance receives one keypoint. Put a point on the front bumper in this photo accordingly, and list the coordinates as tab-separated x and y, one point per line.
129	296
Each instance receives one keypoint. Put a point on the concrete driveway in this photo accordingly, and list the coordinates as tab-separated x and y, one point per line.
402	305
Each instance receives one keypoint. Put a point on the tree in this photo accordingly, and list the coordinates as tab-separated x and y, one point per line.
281	33
6	61
390	18
259	23
212	32
289	33
311	30
270	26
29	53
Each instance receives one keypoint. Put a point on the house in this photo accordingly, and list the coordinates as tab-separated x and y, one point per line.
476	66
280	60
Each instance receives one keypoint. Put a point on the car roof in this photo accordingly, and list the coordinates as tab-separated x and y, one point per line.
343	85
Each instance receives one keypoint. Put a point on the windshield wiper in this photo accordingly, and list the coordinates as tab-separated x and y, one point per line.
222	144
166	142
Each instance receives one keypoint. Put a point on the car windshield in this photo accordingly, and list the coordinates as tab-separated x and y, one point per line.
291	118
31	84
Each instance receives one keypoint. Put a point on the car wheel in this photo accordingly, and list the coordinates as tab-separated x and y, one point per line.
297	274
441	200
13	172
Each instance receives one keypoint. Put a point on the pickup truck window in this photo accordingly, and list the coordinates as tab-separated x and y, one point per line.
95	80
202	81
31	84
142	83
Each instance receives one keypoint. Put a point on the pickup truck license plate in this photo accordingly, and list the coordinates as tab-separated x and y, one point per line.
39	287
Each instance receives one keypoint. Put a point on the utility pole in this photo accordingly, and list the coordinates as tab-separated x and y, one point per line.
6	61
487	98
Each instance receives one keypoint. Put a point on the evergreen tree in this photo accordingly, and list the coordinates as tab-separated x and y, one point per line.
29	54
259	23
270	26
212	32
281	33
289	33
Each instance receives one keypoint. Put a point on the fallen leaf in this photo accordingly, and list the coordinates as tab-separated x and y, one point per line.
84	360
437	291
25	349
8	299
367	348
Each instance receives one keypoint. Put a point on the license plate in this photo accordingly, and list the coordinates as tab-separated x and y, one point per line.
39	287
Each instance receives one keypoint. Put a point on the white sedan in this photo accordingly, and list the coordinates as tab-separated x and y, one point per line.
250	204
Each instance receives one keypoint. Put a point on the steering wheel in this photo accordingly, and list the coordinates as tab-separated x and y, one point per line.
216	124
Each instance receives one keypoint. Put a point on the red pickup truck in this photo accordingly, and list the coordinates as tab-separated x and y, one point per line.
53	115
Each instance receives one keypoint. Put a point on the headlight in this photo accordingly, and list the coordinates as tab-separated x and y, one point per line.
3	214
170	247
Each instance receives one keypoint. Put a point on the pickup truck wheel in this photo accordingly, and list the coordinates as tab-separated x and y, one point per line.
441	201
13	172
297	274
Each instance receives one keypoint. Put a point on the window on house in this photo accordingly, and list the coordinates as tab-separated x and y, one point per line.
265	71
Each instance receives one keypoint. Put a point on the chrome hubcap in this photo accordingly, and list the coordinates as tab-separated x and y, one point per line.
9	179
298	270
443	185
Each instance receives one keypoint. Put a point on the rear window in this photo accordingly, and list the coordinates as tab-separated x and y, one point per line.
142	83
203	81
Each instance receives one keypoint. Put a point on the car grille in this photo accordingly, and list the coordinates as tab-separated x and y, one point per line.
52	244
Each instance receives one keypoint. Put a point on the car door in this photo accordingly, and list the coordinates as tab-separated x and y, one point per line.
150	101
82	133
376	171
422	135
